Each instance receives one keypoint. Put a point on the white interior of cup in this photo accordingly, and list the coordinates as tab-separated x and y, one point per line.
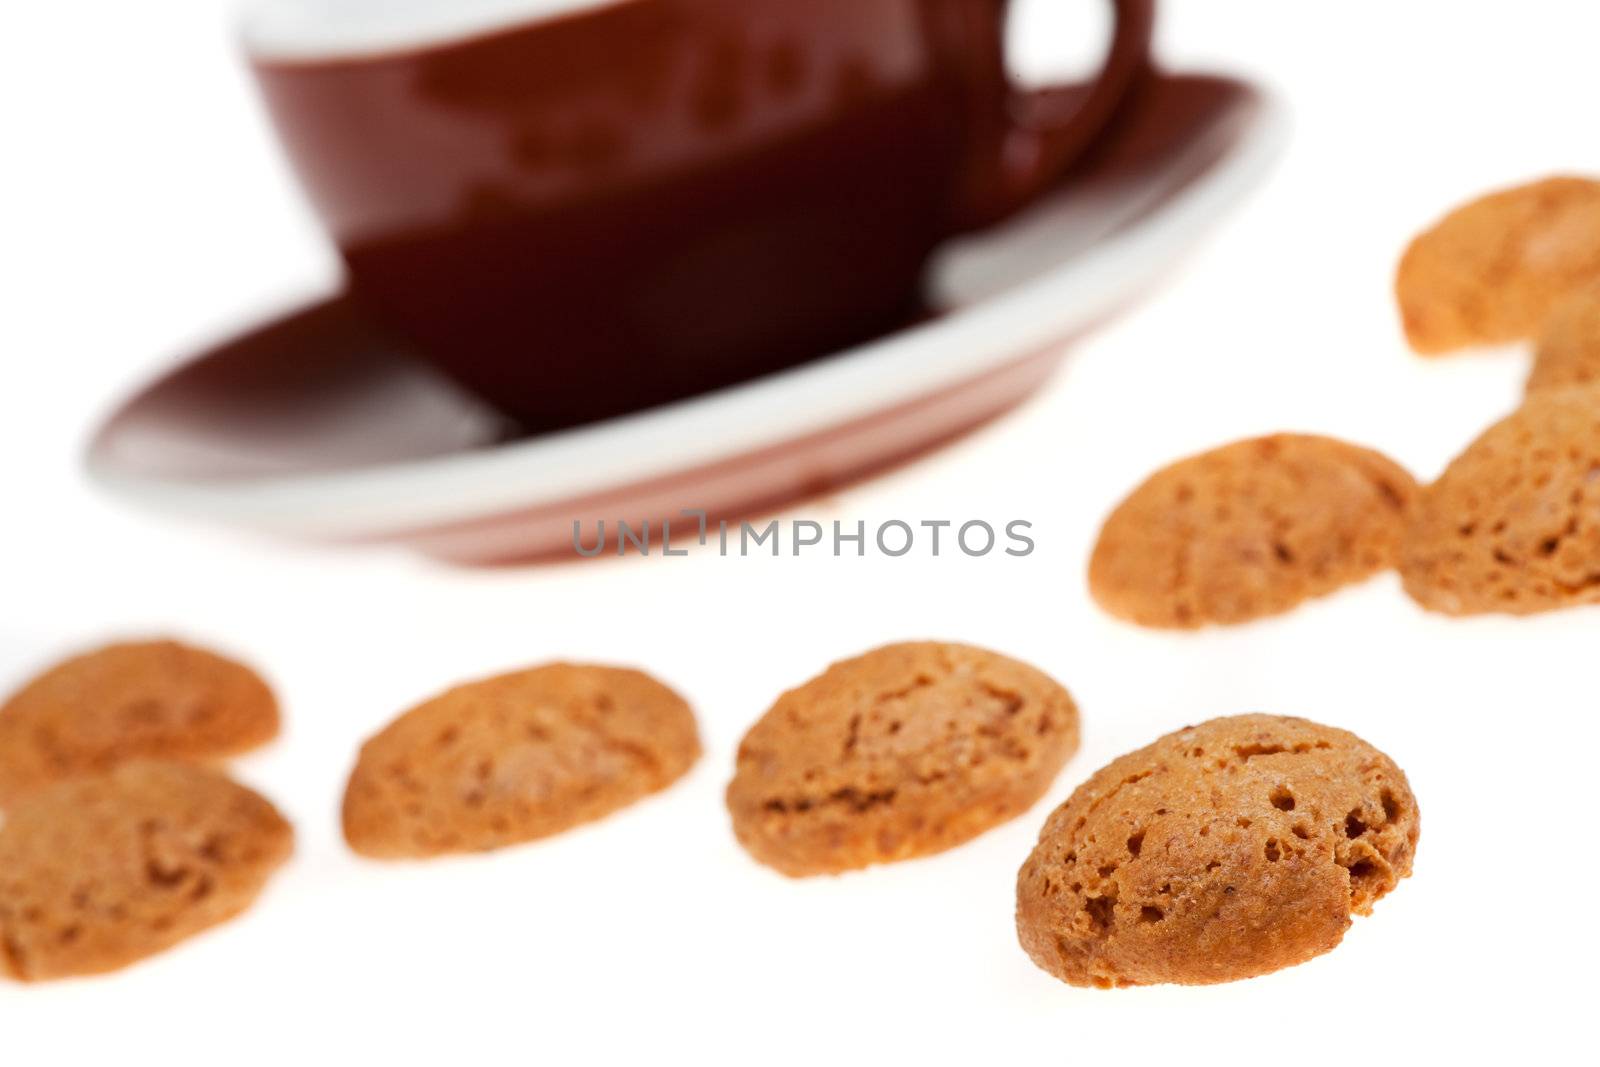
315	29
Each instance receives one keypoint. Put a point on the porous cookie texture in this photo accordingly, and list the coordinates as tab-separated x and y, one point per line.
516	758
902	752
1569	344
100	872
1513	523
1493	270
1248	530
1222	851
145	700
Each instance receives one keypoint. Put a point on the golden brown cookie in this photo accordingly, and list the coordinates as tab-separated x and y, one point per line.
1248	530
902	752
1491	271
1223	851
515	758
1513	524
1569	344
100	872
148	700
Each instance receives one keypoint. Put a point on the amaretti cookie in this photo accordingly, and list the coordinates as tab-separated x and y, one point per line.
1222	851
1248	530
1492	271
905	751
144	700
515	758
99	872
1568	353
1513	524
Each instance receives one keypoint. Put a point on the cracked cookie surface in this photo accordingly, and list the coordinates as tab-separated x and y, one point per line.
1513	523
1221	851
905	751
1492	270
99	872
1248	530
156	700
515	758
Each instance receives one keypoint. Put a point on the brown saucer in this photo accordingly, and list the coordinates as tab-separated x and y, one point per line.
319	426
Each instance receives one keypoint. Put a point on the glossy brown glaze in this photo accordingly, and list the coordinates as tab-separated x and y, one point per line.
326	391
595	214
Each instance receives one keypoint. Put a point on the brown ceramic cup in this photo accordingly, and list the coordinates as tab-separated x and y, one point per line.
581	208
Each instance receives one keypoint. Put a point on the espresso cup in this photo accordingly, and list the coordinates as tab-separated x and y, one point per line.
582	208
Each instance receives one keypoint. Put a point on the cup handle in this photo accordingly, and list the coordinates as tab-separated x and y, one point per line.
1041	133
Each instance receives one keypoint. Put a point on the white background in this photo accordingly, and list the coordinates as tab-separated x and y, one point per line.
145	210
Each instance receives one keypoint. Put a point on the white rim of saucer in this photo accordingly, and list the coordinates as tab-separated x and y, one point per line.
768	411
290	30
